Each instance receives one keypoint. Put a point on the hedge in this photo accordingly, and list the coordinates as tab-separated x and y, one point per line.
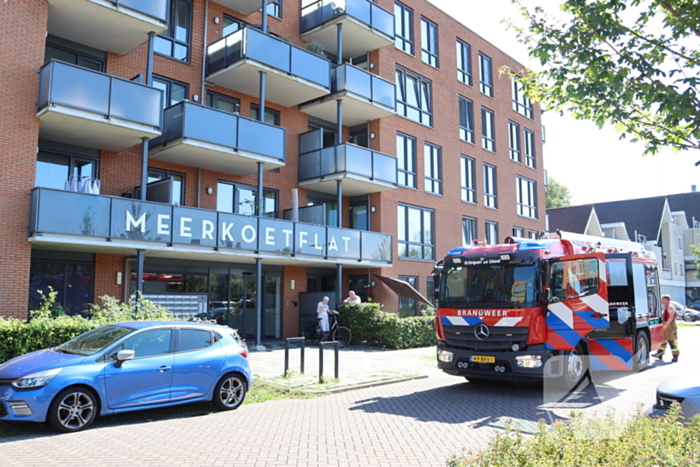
372	326
45	329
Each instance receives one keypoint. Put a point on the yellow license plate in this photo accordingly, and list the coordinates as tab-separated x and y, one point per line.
482	359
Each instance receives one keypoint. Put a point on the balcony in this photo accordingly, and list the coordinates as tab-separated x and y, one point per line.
117	26
70	221
245	7
361	170
96	110
366	25
200	136
365	97
294	75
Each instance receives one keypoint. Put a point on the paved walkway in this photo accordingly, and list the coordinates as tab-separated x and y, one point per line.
420	422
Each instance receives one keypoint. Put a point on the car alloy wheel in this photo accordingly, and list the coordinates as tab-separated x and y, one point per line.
74	409
230	392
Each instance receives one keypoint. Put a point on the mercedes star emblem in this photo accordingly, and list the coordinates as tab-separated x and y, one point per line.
481	332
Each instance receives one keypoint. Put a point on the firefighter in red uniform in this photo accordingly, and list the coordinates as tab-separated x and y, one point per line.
668	319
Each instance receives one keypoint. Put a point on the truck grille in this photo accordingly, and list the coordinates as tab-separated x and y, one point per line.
499	339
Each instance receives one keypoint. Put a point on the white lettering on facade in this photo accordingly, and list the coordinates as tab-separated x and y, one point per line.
302	239
483	313
162	227
250	238
317	244
332	245
185	229
347	241
208	229
288	237
269	238
226	231
133	223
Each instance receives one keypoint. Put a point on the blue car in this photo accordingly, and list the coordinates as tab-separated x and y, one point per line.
122	367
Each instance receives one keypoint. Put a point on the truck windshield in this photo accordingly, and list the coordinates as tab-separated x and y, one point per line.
503	284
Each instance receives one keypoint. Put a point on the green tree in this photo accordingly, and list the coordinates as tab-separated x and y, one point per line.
556	195
634	64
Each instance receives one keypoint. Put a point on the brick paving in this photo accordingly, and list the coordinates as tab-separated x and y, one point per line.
420	422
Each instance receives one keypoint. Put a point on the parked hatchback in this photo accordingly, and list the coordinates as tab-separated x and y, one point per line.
123	367
684	391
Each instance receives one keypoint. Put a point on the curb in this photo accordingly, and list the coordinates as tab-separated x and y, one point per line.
381	382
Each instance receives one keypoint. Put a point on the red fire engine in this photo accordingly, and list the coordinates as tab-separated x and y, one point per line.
547	308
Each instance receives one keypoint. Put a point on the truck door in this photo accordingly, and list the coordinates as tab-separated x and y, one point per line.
621	302
577	299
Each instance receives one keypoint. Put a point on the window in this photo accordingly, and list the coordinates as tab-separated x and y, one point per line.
415	232
680	243
573	279
429	42
240	199
330	208
530	157
526	192
178	183
518	232
147	344
54	169
224	103
57	52
468	180
464	62
406	153
194	339
521	103
466	120
173	91
275	9
433	168
468	231
490	186
485	75
491	233
532	234
514	141
175	42
71	280
403	27
271	116
488	134
413	98
408	306
231	25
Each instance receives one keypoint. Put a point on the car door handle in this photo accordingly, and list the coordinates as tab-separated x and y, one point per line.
164	368
599	315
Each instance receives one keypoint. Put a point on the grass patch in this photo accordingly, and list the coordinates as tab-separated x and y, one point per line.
263	391
683	324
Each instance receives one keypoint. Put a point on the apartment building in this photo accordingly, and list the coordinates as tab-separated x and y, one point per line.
381	132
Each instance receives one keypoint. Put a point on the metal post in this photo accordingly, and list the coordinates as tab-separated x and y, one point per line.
339	117
149	59
259	193
258	303
338	284
336	347
263	83
302	345
264	16
339	200
140	257
339	58
320	362
144	167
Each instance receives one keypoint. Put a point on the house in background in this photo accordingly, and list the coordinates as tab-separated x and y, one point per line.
667	225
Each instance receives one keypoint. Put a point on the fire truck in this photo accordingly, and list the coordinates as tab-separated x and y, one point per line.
552	307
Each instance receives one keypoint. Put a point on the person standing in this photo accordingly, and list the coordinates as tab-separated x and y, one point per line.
668	320
322	310
352	299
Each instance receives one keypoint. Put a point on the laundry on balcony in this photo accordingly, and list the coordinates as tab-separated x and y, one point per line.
83	184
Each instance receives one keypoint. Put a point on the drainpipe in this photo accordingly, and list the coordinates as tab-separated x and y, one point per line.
259	212
204	53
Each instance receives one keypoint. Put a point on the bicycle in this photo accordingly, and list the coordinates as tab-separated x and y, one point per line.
313	334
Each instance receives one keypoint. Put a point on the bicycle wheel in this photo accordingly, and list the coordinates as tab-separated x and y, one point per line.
311	337
343	336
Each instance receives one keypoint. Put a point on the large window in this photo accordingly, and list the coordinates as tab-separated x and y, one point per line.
240	199
403	27
408	306
533	234
271	116
72	280
413	99
464	62
491	233
406	154
518	232
485	75
54	169
433	168
466	120
468	231
330	207
488	130
429	42
224	103
230	25
530	156
57	52
490	189
173	91
175	42
178	183
526	192
415	232
514	141
521	103
468	177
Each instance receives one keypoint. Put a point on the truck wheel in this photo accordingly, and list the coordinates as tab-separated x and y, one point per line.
641	352
575	368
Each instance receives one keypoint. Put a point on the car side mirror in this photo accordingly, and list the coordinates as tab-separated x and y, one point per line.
124	355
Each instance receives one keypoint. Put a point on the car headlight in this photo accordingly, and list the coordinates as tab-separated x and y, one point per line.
36	380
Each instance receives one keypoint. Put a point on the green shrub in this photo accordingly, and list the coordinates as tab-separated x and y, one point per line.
373	326
643	441
47	329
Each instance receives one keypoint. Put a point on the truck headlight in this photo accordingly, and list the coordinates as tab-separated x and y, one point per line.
529	361
36	380
445	356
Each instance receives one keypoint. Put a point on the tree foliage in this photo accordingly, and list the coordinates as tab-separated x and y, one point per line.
556	195
631	63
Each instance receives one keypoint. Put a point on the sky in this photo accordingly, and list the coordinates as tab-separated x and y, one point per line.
594	164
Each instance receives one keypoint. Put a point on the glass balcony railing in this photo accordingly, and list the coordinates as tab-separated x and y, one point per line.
128	223
249	43
357	81
346	159
157	9
365	11
212	126
63	84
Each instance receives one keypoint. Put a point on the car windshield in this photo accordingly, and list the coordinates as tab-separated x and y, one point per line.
93	341
502	284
